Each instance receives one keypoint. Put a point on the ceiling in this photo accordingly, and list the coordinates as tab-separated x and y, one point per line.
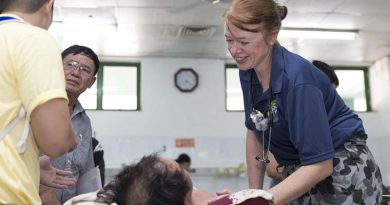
194	28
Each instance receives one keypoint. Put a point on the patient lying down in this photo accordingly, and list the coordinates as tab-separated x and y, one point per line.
158	181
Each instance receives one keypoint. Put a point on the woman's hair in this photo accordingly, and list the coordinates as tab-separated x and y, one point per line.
151	181
265	13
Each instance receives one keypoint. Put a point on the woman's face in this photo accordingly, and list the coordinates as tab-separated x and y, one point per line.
248	49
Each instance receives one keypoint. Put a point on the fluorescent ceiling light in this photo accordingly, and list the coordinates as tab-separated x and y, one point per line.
309	33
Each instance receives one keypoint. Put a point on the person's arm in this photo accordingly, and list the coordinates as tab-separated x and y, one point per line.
47	195
256	169
52	128
272	168
301	181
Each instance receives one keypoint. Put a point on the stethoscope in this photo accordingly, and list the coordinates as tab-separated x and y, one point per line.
262	123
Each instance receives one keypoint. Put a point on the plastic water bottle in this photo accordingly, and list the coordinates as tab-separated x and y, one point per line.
69	157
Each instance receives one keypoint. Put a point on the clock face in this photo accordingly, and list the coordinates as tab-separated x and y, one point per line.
186	79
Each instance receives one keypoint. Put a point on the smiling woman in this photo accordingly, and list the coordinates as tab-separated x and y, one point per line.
309	128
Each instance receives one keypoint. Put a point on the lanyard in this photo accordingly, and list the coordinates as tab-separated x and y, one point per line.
4	19
21	145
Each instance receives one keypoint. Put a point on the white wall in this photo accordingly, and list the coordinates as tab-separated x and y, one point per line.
168	114
377	123
219	136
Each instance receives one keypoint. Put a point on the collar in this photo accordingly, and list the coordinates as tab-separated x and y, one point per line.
78	108
277	69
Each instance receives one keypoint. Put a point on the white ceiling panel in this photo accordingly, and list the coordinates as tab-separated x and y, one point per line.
156	16
149	28
301	20
342	21
85	3
145	3
101	15
140	16
312	6
365	6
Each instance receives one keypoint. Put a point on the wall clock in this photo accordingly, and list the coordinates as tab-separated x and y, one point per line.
186	79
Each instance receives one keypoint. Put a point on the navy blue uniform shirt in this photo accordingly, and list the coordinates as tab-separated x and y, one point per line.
311	119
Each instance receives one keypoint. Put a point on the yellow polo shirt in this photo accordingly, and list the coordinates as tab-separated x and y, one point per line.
31	73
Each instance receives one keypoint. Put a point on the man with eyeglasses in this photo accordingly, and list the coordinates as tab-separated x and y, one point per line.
34	117
80	66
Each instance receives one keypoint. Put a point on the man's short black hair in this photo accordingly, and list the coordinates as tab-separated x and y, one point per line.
328	71
28	6
77	49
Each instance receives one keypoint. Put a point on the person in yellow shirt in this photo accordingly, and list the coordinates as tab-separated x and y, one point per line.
34	114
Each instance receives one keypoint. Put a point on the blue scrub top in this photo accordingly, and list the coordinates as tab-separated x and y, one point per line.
311	119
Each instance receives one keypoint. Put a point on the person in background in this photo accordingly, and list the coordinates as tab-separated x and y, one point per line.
98	157
274	171
328	71
292	110
184	161
80	64
32	96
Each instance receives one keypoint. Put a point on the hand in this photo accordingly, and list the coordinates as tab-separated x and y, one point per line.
53	177
200	197
220	194
224	192
217	200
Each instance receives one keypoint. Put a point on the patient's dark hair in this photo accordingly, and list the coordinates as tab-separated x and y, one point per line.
328	71
28	6
149	182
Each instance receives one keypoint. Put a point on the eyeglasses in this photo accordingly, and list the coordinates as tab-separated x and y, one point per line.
73	65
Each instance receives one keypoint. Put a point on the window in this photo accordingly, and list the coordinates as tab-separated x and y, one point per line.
116	88
353	88
89	97
234	98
